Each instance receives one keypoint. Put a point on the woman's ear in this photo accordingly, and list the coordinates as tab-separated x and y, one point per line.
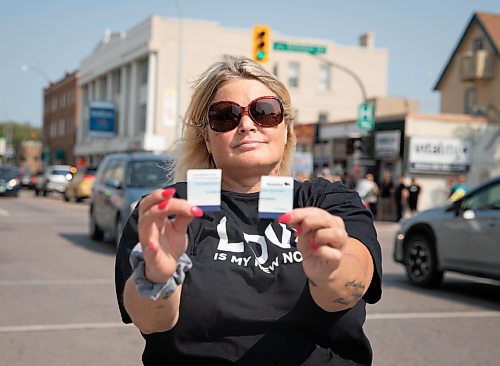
207	142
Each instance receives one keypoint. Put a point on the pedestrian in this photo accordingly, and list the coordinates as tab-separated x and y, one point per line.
386	200
368	191
459	189
414	191
400	197
217	288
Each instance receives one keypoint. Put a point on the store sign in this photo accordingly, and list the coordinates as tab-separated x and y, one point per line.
387	144
439	154
102	119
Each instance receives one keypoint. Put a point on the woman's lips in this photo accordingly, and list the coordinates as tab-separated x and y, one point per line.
250	144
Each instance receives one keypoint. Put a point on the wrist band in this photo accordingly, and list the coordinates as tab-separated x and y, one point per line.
157	290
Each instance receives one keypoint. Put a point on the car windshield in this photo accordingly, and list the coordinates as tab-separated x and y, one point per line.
6	172
146	174
60	172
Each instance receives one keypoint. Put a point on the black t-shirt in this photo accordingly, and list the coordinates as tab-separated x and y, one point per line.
246	300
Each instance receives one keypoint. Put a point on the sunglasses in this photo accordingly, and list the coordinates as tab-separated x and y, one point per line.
264	111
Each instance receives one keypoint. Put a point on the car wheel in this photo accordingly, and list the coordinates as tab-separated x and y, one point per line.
65	196
118	231
95	232
421	262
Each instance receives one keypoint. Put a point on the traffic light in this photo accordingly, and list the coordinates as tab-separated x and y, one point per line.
261	35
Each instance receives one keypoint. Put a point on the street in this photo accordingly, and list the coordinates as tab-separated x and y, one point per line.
58	302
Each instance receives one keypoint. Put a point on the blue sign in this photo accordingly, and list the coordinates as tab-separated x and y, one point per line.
102	119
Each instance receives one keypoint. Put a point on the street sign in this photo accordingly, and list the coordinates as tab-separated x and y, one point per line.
313	50
366	117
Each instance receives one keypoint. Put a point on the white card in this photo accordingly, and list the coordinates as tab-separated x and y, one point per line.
203	188
275	197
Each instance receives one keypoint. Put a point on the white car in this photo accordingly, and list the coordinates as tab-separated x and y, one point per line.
55	179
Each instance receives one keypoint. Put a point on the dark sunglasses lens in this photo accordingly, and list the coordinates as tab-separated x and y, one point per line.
224	116
266	112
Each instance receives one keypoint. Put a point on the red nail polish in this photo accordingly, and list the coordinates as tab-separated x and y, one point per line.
298	231
168	193
151	246
196	211
162	204
285	218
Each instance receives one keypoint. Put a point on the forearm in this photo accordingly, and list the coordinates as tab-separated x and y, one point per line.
148	315
348	283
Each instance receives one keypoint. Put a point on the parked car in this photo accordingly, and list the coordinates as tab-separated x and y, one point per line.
121	180
79	187
55	179
462	236
10	182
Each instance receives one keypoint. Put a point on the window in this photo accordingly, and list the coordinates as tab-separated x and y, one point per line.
477	44
293	75
322	117
54	104
324	77
470	101
142	118
53	129
61	128
143	72
116	82
486	199
102	88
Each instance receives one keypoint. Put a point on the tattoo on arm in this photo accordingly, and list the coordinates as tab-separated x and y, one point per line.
341	301
357	293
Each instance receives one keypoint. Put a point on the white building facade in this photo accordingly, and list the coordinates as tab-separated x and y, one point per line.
135	86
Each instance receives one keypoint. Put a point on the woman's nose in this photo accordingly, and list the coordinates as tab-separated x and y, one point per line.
246	124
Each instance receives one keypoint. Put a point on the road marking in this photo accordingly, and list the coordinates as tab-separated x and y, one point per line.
110	325
438	315
4	212
85	281
52	327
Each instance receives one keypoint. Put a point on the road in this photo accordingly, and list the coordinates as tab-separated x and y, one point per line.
58	305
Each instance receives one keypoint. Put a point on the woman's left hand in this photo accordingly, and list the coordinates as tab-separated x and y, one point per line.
321	240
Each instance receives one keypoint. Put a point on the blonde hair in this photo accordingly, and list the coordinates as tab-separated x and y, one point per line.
191	151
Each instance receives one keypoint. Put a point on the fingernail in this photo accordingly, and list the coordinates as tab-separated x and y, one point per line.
298	231
168	193
285	218
196	211
151	246
162	204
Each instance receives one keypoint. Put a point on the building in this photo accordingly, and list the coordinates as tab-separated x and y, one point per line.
136	85
61	105
470	81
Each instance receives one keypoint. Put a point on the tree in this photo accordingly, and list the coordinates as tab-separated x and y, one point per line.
16	133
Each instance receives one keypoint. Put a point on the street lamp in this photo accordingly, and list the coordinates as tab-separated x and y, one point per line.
37	70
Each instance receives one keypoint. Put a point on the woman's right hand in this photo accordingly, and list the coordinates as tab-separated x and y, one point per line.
163	240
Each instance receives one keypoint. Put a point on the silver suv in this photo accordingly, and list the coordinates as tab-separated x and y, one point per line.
120	182
462	236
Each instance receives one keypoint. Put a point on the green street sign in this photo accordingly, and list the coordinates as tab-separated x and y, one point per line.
366	120
313	50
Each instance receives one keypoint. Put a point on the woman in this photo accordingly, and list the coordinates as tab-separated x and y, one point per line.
227	287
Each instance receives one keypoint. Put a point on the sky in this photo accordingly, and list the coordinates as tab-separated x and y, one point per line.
54	36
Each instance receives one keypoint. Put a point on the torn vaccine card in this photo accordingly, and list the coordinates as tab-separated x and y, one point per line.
275	197
203	188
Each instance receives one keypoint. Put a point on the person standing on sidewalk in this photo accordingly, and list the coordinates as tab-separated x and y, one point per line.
230	287
400	197
414	191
